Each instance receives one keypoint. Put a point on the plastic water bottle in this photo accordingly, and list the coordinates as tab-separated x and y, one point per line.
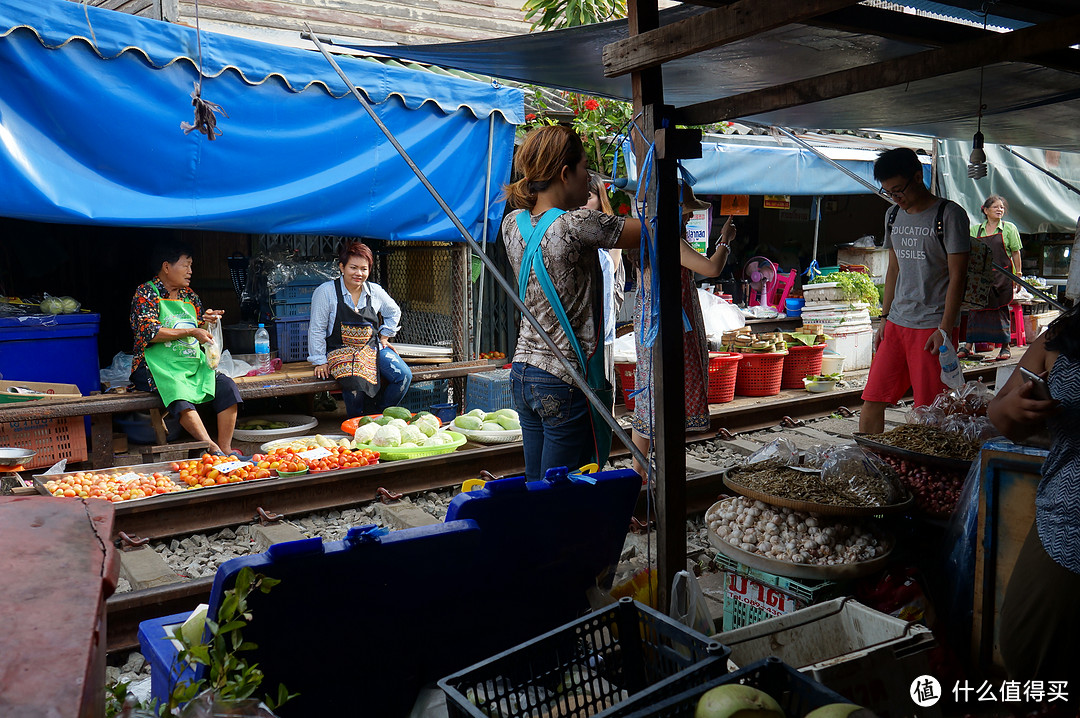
262	350
951	376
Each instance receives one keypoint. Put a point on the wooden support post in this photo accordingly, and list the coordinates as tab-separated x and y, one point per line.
668	380
101	440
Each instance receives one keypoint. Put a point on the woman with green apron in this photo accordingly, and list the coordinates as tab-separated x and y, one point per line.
352	320
167	319
993	325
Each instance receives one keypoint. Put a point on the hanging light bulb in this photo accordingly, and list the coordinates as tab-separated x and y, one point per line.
977	160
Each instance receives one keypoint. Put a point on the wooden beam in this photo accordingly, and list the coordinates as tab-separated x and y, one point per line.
1000	47
738	21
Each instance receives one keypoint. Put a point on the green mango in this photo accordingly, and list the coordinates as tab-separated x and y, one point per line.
472	423
478	413
491	426
508	423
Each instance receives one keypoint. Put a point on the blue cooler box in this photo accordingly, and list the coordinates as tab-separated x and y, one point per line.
359	626
61	349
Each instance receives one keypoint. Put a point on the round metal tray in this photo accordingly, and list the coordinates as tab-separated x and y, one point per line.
271	445
14	456
800	570
298	424
940	462
816	508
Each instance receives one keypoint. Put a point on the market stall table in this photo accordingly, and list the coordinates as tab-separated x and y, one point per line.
295	379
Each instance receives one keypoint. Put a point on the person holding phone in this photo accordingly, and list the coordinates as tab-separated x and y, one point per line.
1039	625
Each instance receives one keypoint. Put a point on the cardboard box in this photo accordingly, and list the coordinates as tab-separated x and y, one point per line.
35	390
1036	324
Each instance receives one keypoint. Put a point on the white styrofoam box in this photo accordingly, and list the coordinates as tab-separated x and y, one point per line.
876	259
1036	324
825	292
864	655
855	343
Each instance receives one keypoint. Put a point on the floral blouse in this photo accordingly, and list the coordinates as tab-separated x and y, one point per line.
144	316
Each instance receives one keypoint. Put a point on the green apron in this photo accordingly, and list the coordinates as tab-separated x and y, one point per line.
178	366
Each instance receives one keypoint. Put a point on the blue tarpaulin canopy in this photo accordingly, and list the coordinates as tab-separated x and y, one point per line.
90	133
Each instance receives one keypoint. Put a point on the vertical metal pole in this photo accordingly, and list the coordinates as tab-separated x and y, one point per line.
668	380
479	308
817	224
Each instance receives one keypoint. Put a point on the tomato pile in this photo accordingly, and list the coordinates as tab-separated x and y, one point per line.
492	355
111	487
936	491
203	472
287	459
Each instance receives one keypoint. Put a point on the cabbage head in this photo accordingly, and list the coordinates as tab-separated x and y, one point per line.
388	435
364	434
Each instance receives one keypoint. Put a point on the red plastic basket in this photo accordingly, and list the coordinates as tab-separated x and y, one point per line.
760	374
52	439
800	363
626	374
723	370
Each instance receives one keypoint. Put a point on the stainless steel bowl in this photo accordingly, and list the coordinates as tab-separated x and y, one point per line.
13	457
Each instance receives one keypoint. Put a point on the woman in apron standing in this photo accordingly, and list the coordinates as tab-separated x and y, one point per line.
168	322
352	321
993	325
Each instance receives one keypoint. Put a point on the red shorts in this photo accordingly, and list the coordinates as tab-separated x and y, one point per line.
901	363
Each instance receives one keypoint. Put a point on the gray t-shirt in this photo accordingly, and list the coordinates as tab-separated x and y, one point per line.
570	256
923	281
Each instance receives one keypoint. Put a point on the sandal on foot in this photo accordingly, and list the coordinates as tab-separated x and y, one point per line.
963	354
1004	356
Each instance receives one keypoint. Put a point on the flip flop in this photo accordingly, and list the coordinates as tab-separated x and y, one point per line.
1003	356
963	354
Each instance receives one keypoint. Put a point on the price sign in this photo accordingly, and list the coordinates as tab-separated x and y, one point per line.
768	599
129	476
314	454
227	467
697	229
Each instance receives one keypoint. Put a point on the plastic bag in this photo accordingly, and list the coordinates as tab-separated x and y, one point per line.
781	449
719	315
119	372
213	348
208	705
860	475
688	605
624	349
233	367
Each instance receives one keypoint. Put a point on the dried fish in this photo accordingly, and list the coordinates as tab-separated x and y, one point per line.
775	478
929	440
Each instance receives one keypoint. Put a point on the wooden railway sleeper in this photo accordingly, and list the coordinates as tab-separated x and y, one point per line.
266	518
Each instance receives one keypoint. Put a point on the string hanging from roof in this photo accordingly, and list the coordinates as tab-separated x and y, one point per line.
205	111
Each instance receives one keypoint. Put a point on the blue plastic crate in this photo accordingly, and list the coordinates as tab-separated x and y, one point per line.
288	310
298	290
292	339
796	693
488	390
627	656
422	395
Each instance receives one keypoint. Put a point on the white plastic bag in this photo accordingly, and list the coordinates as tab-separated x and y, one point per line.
213	349
720	316
624	349
232	367
119	372
688	604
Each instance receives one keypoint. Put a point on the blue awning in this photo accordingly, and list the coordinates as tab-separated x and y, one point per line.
742	167
90	133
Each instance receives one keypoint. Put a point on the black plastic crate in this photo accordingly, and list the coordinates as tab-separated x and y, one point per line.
605	664
796	693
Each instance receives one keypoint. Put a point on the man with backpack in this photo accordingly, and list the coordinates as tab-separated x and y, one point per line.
929	244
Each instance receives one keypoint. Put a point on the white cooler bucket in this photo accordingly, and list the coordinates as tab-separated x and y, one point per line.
855	343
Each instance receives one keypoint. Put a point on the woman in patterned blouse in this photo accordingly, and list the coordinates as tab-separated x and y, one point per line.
1039	626
172	287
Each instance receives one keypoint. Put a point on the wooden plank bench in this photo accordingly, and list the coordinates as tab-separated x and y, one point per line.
296	379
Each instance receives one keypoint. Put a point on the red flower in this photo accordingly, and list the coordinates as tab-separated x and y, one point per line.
530	117
592	105
624	209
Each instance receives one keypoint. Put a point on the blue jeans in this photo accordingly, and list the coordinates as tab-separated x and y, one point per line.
395	376
556	426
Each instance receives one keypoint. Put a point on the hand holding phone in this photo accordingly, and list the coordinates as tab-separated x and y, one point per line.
1040	391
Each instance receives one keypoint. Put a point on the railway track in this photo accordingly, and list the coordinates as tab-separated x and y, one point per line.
171	515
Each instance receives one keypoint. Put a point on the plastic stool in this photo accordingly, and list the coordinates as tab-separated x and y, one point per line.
1016	336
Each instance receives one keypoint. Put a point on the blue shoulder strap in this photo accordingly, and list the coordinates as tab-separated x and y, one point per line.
533	259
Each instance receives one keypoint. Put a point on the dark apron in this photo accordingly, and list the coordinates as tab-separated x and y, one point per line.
352	349
992	325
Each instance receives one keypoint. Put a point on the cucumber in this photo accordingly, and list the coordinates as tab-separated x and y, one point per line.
397	412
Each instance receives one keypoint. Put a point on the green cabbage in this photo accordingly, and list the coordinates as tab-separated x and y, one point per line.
412	434
364	434
387	436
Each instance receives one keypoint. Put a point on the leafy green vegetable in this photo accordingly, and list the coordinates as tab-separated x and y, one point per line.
856	287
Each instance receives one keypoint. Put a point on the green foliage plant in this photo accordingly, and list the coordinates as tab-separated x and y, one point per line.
554	14
228	675
856	287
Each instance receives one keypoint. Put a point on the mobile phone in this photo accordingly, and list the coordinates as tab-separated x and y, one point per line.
1041	390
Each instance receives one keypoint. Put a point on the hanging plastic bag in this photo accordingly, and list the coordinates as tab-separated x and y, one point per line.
214	347
688	604
860	476
718	315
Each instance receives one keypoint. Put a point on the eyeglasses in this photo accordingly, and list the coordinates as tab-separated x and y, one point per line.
900	192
